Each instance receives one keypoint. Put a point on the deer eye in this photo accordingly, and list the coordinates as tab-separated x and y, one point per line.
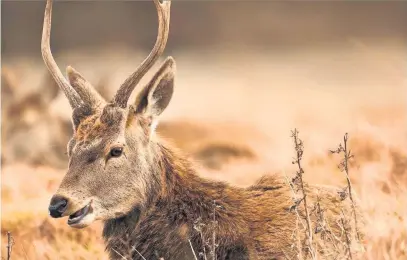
116	152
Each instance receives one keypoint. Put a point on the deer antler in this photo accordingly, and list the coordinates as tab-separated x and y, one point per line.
123	94
81	91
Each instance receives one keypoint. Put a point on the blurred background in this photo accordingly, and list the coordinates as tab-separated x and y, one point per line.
248	72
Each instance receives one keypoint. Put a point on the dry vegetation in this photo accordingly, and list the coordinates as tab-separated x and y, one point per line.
254	140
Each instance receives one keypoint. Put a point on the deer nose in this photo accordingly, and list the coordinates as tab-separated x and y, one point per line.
57	206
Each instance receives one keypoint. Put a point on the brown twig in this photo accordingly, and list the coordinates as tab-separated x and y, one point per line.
344	167
192	248
296	232
199	226
322	227
299	148
139	253
344	223
10	243
214	224
114	250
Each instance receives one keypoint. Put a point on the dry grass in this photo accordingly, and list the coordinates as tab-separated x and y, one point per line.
254	140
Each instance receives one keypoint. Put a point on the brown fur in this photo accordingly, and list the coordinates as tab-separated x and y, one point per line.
252	223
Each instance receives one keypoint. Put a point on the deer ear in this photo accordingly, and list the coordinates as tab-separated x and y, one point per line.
156	96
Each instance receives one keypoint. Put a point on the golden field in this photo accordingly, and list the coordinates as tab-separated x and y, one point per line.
233	115
245	79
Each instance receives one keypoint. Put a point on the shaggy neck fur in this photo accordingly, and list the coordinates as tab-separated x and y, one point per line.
255	223
180	206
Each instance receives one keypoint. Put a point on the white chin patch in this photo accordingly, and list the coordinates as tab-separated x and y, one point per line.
82	218
83	222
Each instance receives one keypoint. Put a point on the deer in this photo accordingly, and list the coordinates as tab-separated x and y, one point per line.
149	195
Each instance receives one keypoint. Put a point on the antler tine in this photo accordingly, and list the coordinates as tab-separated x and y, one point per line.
73	97
123	94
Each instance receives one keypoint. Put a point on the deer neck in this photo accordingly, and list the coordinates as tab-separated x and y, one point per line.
183	201
192	196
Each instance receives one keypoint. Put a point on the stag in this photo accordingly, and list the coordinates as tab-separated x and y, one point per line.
153	202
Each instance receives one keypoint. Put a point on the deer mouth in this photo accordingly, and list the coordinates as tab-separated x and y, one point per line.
76	219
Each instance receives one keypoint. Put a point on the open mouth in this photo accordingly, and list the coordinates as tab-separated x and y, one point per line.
76	217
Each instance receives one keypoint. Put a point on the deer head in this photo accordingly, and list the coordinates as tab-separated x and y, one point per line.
112	150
